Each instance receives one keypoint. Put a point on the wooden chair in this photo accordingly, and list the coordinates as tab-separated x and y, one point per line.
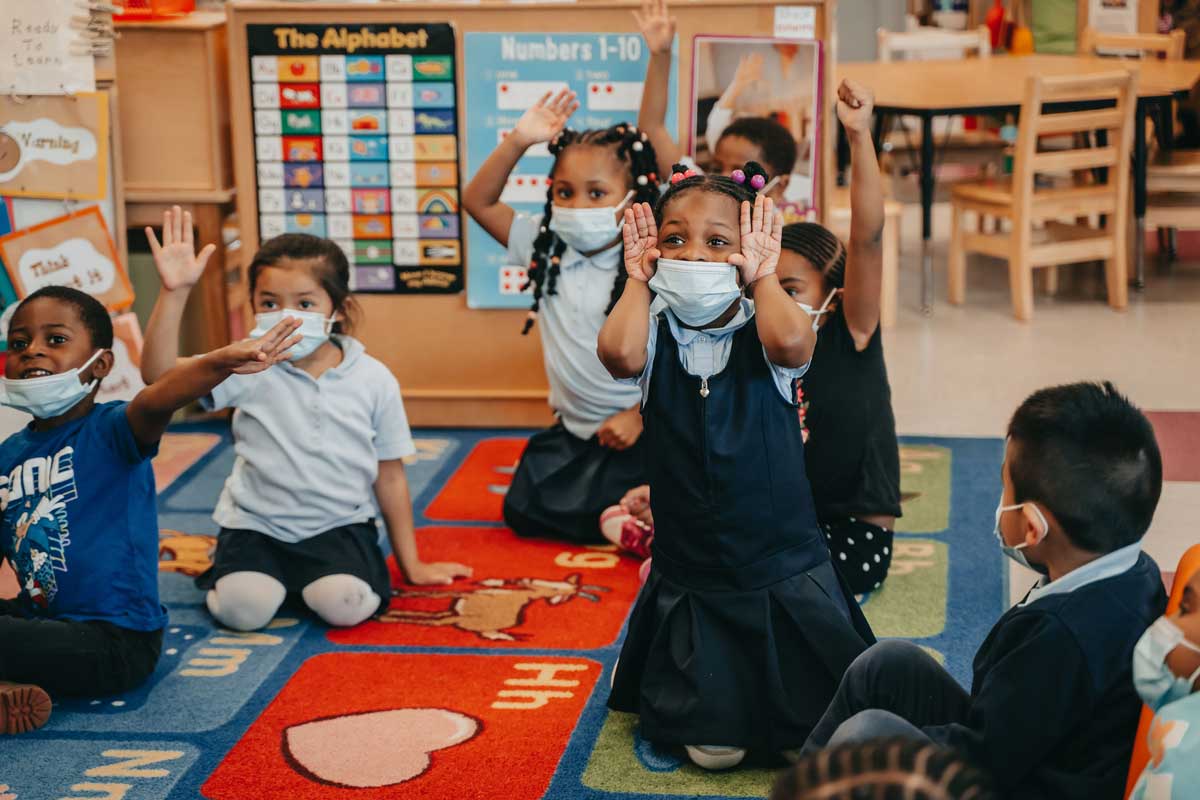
1036	238
1133	45
1188	565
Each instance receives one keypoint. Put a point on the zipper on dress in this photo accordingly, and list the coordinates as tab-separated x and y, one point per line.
704	387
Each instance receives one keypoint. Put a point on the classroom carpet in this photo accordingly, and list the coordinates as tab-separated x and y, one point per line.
492	687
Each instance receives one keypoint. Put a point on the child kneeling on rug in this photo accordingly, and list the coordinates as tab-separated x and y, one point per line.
319	442
743	628
80	522
1052	709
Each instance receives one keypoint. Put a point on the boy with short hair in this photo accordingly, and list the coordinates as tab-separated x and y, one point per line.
78	520
1052	710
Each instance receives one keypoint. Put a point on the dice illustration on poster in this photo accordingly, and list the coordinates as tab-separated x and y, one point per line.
356	139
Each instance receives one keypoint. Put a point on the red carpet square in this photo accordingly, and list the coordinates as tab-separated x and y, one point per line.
179	451
1178	434
475	493
525	593
351	725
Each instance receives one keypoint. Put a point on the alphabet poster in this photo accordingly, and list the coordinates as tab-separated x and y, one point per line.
75	250
54	147
356	139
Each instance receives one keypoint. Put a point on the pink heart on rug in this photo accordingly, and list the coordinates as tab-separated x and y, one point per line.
374	748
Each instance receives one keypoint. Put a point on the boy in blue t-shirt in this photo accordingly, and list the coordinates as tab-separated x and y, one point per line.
1052	711
78	520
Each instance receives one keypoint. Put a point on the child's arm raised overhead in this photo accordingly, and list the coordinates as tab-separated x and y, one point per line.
391	490
150	412
864	256
622	342
541	123
783	328
179	268
658	29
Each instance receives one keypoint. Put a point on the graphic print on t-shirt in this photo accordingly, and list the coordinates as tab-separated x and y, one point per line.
33	500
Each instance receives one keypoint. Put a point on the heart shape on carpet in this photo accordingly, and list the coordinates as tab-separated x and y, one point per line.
374	748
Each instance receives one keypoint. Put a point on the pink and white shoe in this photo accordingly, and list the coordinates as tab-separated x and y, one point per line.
626	531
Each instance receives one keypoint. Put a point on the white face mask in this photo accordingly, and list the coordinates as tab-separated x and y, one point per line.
816	313
1014	551
1152	678
50	395
587	230
314	327
697	291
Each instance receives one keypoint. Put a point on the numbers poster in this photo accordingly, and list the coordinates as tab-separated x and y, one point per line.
509	72
355	134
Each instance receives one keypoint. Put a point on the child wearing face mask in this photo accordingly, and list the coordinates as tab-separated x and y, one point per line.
572	471
78	521
320	443
743	628
1052	709
1166	673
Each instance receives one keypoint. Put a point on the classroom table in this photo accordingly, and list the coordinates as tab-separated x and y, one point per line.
996	86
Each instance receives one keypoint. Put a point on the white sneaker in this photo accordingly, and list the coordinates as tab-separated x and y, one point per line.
712	758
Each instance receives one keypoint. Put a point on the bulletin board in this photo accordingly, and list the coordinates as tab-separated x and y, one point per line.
458	365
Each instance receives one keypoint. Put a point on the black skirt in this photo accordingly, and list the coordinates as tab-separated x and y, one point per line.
563	483
753	669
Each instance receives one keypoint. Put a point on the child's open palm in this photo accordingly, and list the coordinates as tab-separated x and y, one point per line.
639	233
179	266
546	118
256	355
762	236
658	27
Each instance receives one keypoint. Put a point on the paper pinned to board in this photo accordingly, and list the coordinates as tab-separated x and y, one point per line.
54	147
39	49
795	22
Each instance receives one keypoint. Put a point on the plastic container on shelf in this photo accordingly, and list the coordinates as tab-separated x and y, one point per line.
143	10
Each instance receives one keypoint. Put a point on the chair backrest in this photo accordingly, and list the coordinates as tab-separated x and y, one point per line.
933	43
1189	565
1059	107
1133	45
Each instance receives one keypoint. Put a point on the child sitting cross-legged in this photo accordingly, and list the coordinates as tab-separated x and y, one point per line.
1052	708
79	522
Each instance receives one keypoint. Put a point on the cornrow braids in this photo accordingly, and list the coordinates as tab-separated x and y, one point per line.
886	769
685	179
632	148
822	249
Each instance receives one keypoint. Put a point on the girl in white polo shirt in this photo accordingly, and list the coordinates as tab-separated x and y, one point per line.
317	443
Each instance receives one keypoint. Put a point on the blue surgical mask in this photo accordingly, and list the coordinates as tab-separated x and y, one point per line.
816	313
1152	678
696	291
50	395
587	230
1014	551
314	327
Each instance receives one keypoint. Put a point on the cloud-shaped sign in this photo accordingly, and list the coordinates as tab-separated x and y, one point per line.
74	262
22	143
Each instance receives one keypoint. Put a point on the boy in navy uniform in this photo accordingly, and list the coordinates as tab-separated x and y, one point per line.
1052	710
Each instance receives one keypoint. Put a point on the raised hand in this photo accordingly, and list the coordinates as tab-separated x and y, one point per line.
179	266
546	118
658	28
856	104
640	236
255	355
762	237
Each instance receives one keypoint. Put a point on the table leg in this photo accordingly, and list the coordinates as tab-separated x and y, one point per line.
927	189
1139	194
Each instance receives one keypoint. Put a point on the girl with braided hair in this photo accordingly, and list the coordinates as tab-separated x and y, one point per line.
571	472
887	769
743	629
853	458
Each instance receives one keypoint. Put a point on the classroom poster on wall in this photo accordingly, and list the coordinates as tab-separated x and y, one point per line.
74	250
509	73
356	140
55	147
42	50
125	379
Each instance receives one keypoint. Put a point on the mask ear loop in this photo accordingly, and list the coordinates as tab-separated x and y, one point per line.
620	212
828	299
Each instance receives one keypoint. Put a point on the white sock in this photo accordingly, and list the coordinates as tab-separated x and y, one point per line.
245	601
341	600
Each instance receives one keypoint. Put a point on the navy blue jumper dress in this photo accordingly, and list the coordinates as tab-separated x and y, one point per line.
743	630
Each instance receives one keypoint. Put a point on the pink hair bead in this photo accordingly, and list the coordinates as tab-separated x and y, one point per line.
737	176
758	182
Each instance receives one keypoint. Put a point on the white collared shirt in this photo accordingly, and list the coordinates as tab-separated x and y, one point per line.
582	392
1106	566
705	353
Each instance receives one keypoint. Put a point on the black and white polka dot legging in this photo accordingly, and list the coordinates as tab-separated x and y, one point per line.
862	552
